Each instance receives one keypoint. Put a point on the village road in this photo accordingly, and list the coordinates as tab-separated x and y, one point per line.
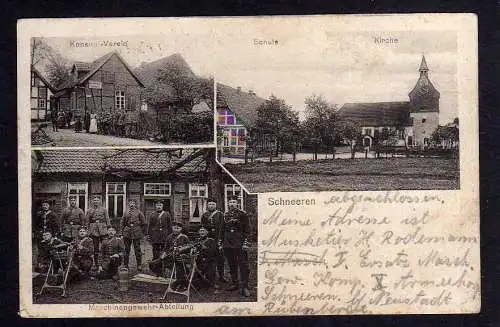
68	137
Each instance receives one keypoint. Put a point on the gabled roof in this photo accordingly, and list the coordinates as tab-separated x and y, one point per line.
95	66
44	80
377	113
135	160
243	104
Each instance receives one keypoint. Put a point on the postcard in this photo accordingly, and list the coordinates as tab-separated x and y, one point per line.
249	166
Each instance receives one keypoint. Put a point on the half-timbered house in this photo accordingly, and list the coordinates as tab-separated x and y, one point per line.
106	84
41	92
237	113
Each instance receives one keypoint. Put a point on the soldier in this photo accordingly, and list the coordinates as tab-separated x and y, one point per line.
173	252
159	227
233	239
45	220
207	256
212	221
83	259
111	256
72	218
133	225
98	220
47	250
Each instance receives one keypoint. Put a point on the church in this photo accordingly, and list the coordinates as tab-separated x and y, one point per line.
411	122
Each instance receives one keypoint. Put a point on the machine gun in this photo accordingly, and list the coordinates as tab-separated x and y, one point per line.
189	250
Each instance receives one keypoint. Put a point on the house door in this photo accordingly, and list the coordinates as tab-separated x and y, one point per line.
149	206
367	141
410	140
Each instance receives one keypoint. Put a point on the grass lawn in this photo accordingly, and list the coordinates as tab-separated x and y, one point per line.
345	174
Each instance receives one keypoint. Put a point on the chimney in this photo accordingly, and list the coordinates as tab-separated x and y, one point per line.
238	89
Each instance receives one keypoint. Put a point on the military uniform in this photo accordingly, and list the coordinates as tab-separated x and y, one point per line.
207	258
82	258
159	227
233	236
212	221
172	241
132	227
72	219
98	221
47	251
109	247
46	221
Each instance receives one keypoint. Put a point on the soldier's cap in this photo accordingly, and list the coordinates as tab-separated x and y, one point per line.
132	200
110	226
82	227
203	227
98	197
177	223
159	202
211	200
72	197
233	198
45	201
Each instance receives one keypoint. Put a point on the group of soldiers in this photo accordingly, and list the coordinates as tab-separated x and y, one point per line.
96	243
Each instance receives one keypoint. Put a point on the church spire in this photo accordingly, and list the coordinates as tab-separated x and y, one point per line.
423	66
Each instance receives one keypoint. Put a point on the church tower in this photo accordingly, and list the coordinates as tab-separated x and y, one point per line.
424	106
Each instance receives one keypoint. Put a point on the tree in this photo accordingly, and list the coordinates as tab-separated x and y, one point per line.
349	131
277	119
175	82
50	62
447	136
320	118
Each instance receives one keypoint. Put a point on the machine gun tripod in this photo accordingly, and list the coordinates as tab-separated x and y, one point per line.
63	255
189	270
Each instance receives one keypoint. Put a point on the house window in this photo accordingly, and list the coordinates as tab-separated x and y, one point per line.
41	103
120	100
226	117
198	194
424	120
157	189
233	190
115	199
80	192
34	92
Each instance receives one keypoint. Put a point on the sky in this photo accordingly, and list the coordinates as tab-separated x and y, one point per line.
196	47
307	59
340	66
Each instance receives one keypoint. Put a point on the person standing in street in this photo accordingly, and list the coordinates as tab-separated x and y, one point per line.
86	121
159	227
133	225
233	239
53	118
93	124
